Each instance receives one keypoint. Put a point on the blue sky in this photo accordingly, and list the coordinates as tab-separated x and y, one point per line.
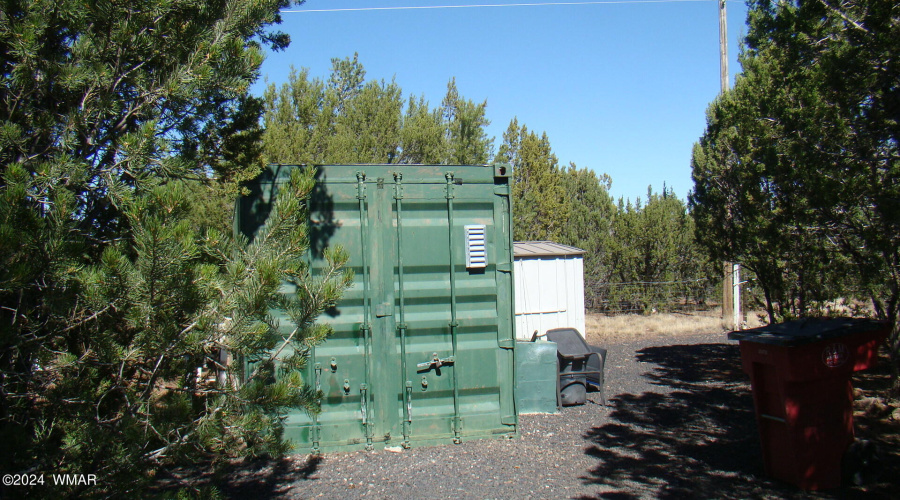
621	88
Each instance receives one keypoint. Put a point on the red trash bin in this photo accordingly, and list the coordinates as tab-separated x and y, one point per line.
800	374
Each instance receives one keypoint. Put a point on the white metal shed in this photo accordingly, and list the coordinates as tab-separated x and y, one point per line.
549	279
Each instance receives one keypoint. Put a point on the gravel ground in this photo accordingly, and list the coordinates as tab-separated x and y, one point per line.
678	424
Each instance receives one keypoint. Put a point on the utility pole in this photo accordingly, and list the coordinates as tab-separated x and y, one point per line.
723	46
731	283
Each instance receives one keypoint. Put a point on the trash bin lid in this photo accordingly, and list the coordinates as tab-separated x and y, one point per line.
569	343
808	330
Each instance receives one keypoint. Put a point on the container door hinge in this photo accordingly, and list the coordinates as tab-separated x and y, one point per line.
508	420
317	430
409	401
501	190
364	410
504	267
407	423
507	343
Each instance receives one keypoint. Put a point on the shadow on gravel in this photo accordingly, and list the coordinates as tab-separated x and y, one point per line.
697	438
260	478
266	479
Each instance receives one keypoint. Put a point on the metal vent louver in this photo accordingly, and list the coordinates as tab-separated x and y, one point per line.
476	246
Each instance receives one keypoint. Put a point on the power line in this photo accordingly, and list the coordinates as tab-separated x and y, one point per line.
481	6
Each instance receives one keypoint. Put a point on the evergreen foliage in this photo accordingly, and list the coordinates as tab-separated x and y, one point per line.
465	122
540	201
654	242
126	130
590	222
628	244
797	173
349	120
123	126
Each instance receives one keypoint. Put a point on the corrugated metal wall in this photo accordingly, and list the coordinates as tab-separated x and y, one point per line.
423	346
549	294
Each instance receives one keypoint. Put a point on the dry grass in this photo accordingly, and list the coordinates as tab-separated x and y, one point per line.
601	327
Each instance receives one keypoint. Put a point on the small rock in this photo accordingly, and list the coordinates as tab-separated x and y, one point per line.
876	407
393	449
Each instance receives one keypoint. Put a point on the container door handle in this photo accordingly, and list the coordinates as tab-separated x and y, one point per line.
435	363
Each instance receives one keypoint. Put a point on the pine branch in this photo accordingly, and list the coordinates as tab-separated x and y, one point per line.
844	17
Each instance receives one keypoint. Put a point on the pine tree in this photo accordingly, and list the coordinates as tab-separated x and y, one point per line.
117	121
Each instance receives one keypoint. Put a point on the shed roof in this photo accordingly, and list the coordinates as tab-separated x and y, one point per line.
543	249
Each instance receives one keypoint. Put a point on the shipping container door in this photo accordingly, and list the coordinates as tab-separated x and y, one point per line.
452	307
342	213
422	344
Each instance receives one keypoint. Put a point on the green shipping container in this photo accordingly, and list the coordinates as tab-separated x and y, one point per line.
423	348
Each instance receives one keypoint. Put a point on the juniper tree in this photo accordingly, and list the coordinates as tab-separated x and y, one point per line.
539	195
118	120
422	138
654	243
465	123
349	120
807	148
590	224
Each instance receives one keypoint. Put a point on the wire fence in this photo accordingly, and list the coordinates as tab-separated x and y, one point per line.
650	296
